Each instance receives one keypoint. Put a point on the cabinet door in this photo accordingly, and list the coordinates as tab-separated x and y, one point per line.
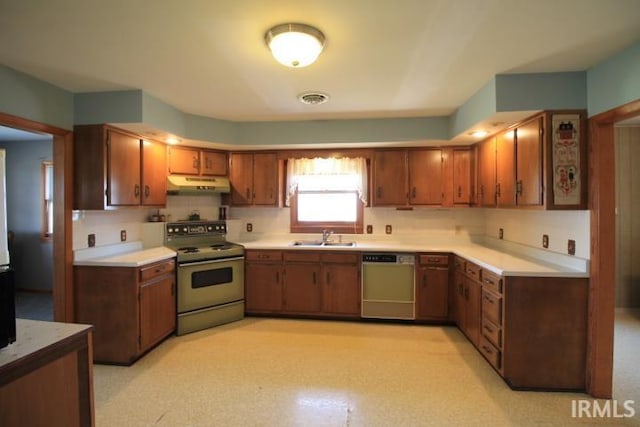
425	177
529	163
462	190
154	173
390	178
123	171
459	301
184	160
487	173
341	290
432	293
472	296
214	163
241	177
157	310
506	169
265	179
302	288
263	287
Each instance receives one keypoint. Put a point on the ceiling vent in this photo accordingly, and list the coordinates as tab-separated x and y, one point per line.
313	98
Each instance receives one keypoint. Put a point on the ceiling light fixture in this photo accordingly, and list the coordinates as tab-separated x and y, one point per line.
295	45
479	133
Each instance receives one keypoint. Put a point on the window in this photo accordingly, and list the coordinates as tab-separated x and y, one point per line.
47	200
326	194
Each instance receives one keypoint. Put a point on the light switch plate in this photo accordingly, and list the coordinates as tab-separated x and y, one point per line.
369	229
545	241
387	229
249	227
91	240
571	247
123	235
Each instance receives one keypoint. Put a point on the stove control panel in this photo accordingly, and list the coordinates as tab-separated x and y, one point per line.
193	228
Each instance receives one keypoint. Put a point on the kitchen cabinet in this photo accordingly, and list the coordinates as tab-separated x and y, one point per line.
408	177
254	179
341	294
319	284
263	281
425	177
132	308
432	287
529	169
457	181
115	168
486	188
533	330
302	290
468	300
195	161
506	169
389	178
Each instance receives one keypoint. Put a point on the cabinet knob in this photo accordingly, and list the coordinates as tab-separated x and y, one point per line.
136	190
147	191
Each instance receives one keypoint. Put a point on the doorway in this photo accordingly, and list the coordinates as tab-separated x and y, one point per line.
63	309
31	249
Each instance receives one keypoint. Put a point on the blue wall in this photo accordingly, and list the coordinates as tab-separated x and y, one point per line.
615	81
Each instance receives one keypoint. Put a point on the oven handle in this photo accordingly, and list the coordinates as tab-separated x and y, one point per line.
210	261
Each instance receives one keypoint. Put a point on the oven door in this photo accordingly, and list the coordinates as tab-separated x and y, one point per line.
209	283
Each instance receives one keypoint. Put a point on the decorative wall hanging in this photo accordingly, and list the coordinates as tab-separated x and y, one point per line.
566	159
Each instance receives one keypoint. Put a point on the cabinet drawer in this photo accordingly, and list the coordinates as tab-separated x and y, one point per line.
341	257
263	256
302	256
492	332
459	264
492	281
154	270
432	259
472	271
492	307
493	355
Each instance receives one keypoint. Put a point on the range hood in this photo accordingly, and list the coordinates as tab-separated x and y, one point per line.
193	185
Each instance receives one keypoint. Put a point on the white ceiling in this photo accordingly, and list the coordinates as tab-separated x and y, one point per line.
400	58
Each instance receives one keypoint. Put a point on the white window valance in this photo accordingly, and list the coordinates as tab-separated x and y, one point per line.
330	174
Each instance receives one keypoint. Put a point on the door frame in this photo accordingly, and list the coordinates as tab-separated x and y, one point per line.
603	247
63	300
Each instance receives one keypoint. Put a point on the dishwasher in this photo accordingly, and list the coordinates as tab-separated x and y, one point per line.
388	287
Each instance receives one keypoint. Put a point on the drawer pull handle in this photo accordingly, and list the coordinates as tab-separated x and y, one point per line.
489	299
489	282
471	271
487	349
489	329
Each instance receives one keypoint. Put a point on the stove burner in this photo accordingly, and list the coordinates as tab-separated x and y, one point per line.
189	249
220	246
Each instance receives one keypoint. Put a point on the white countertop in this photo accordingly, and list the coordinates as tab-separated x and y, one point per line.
498	261
131	255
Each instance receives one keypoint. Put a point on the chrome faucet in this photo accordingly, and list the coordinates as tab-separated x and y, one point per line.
326	235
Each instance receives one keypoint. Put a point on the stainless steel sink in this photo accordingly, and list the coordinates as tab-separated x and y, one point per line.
317	243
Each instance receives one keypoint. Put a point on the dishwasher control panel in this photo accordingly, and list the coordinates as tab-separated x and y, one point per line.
389	258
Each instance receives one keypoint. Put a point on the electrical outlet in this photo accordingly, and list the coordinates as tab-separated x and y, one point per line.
369	229
387	229
571	247
123	235
91	240
545	241
500	234
249	227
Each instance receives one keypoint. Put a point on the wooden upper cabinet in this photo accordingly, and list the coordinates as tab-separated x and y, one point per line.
389	178
457	173
505	169
486	188
425	177
117	168
254	179
529	140
123	170
154	176
195	161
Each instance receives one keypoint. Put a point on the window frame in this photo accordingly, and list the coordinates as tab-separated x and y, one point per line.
46	204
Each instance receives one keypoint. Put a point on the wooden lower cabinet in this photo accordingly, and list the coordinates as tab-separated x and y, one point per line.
263	281
131	308
467	294
432	287
325	284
